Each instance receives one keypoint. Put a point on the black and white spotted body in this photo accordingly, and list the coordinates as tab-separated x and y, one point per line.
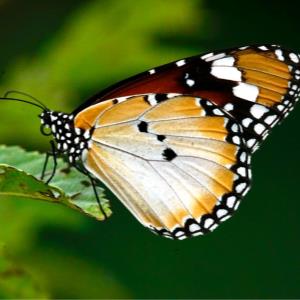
70	141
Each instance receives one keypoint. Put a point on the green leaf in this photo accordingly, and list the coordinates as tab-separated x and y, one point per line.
16	282
19	171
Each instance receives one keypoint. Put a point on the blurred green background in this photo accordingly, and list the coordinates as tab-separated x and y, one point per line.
63	52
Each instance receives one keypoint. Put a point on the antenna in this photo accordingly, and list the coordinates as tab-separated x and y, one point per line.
24	101
26	95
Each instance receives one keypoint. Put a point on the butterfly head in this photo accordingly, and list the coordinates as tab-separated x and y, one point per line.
70	140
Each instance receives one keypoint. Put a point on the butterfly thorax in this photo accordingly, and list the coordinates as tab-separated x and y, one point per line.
70	140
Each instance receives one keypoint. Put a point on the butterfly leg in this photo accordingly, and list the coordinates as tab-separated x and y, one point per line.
83	170
48	154
93	182
45	165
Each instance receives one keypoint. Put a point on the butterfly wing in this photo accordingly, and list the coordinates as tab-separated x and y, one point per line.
257	85
178	163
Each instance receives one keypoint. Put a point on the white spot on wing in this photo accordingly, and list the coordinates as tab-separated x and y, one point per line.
246	122
235	128
197	233
190	82
180	63
279	55
251	142
213	227
151	99
224	62
208	222
280	107
229	107
214	57
259	128
242	171
231	201
172	95
121	99
194	227
221	213
218	112
236	139
270	119
240	187
246	91
264	48
243	157
152	71
229	73
179	234
207	55
237	205
294	57
208	103
258	111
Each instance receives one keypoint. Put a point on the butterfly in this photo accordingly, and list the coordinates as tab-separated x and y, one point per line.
175	143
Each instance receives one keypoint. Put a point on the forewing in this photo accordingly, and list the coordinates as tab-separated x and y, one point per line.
257	85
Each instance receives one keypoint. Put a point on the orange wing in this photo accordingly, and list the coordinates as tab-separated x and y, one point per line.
178	163
257	85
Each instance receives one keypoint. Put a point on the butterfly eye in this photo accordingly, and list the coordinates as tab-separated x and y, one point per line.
45	129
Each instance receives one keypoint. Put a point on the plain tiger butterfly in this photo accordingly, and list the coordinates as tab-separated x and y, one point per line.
174	143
